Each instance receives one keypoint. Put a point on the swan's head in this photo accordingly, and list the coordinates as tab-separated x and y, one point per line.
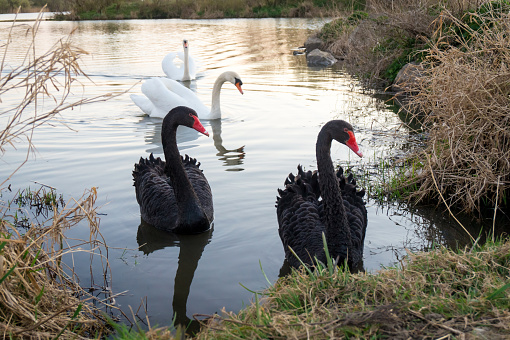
343	133
185	44
234	78
183	115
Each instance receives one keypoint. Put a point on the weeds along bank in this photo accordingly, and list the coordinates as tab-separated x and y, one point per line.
457	88
40	296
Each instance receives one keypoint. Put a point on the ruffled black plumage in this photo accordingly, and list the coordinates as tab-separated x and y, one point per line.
173	195
307	208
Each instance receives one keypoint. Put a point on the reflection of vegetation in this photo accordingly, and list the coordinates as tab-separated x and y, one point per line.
42	203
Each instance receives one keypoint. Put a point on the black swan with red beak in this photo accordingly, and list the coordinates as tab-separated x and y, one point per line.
323	201
174	194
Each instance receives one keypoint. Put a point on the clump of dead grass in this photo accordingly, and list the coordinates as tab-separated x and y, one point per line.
437	294
40	297
463	101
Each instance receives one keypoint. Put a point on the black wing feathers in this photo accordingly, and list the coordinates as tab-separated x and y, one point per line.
299	211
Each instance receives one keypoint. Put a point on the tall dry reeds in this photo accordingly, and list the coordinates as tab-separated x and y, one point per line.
463	99
40	296
37	79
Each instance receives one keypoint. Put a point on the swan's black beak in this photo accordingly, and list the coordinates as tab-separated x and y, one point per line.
238	84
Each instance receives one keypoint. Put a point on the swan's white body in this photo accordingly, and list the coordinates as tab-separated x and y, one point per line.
186	71
163	94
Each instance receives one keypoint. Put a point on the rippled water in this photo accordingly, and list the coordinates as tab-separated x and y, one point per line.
276	120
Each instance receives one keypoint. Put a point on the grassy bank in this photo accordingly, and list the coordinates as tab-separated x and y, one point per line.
206	9
440	294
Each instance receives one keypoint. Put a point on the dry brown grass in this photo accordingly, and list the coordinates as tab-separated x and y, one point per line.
368	48
39	295
463	101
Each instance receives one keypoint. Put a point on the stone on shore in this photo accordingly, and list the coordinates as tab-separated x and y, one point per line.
320	58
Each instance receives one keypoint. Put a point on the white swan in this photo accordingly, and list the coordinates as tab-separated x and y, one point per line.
185	71
163	94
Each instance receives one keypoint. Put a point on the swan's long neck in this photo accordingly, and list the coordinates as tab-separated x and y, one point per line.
215	102
338	234
187	201
186	75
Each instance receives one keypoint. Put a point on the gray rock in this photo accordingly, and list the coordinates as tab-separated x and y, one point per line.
320	58
407	78
313	43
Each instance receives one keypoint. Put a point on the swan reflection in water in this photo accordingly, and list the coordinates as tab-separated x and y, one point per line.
152	131
230	157
191	248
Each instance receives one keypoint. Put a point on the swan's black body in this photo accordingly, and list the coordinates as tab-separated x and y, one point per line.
326	202
174	195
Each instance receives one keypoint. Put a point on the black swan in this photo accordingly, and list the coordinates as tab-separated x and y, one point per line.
326	202
174	194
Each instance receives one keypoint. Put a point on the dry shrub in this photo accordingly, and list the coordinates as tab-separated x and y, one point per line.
39	296
464	99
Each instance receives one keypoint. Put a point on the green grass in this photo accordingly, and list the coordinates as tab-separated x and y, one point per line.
437	294
386	180
268	11
430	295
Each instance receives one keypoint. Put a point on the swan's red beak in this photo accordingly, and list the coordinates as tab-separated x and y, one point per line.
199	127
352	144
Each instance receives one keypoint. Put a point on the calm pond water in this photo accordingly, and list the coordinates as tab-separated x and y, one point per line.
276	120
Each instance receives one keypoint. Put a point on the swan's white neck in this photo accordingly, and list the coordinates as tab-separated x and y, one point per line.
215	103
185	75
